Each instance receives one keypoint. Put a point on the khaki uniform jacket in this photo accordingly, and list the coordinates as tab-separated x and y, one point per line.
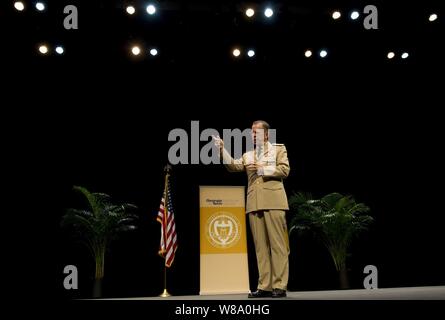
265	187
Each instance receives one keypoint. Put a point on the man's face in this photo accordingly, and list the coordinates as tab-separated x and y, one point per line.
259	136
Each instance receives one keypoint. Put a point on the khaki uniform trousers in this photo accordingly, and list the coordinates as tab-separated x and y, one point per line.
269	231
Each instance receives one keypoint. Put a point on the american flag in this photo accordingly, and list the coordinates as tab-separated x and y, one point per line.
166	217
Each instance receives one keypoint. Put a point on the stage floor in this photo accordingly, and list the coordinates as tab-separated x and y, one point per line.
409	293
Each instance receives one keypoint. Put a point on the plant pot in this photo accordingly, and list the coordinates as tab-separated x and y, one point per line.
97	288
344	278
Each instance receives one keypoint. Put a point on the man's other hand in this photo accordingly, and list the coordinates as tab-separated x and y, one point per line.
254	167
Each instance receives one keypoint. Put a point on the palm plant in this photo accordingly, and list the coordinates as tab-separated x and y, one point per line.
335	219
97	226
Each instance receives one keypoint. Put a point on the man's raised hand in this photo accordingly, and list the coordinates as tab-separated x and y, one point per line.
219	143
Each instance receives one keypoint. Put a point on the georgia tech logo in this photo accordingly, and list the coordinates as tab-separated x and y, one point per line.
223	230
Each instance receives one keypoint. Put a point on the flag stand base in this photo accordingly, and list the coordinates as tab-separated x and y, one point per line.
165	294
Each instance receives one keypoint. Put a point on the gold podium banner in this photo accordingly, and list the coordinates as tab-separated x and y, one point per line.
223	241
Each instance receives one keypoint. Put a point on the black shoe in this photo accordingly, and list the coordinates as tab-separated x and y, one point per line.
278	293
260	294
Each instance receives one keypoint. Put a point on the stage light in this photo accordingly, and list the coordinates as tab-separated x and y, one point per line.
60	50
308	53
391	55
135	50
236	52
268	12
405	55
43	49
154	52
250	12
251	53
151	9
40	6
433	17
323	53
355	15
336	15
18	5
131	10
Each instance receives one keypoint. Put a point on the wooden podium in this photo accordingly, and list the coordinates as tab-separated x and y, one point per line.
223	241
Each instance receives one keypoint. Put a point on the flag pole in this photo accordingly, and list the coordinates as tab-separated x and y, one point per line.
167	169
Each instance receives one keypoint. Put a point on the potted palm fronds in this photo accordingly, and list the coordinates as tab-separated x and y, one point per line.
335	219
97	226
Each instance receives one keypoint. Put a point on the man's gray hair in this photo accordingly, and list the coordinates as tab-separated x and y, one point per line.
264	124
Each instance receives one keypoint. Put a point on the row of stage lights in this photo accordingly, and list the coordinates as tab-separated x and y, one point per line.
137	50
249	12
323	53
354	15
151	10
268	12
237	52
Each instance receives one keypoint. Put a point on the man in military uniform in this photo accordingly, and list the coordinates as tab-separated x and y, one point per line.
266	166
